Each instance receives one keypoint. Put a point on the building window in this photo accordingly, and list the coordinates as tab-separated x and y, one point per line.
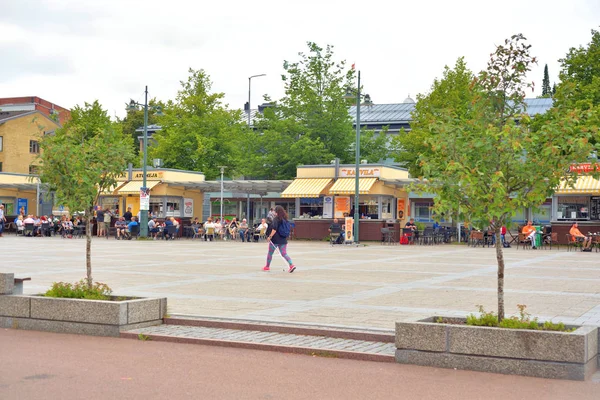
573	208
0	166
34	146
422	211
33	170
174	208
1	143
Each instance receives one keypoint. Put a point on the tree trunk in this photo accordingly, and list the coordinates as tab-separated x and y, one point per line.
88	246
500	259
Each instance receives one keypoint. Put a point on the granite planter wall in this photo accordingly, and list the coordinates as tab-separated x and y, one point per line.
89	317
545	354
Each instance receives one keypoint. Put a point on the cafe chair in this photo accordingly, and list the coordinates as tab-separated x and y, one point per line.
476	239
210	234
523	241
551	239
572	242
28	230
334	236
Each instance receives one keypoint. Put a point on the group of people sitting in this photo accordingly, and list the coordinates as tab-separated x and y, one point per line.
31	225
229	230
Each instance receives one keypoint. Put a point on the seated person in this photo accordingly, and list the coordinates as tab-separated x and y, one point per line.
67	227
503	236
243	230
153	228
130	225
233	228
529	232
176	224
577	235
19	224
335	227
260	229
121	227
413	227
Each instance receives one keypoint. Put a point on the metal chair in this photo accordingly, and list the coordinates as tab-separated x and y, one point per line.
551	239
386	236
427	236
476	238
572	242
523	241
28	230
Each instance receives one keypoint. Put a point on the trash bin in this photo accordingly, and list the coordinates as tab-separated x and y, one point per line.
538	235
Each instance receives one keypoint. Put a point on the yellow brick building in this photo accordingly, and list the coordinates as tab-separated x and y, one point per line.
20	135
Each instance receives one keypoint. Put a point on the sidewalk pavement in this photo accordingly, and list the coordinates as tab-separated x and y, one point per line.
58	366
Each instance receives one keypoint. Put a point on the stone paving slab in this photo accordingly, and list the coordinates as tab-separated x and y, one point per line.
370	286
360	349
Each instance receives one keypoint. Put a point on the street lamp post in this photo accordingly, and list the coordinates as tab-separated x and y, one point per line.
222	171
249	91
351	96
133	105
357	171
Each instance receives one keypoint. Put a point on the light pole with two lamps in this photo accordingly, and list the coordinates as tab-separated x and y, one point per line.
132	106
349	95
249	87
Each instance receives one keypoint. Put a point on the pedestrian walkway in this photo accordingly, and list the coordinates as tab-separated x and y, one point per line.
360	287
324	342
41	365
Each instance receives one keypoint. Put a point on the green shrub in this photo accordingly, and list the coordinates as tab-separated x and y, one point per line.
522	321
79	290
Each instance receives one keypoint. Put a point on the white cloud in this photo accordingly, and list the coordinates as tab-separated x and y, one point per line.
69	51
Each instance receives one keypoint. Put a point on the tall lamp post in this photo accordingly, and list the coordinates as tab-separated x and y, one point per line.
222	171
133	105
249	91
349	95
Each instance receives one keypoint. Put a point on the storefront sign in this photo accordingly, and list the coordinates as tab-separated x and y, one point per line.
144	199
363	172
140	175
584	168
349	229
328	207
400	208
188	207
22	206
342	205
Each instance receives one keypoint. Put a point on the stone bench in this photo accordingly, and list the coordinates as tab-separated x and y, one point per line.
11	285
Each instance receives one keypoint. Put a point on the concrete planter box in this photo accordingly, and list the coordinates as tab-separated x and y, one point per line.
89	317
545	354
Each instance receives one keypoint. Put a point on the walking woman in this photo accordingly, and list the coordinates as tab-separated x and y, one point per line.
278	232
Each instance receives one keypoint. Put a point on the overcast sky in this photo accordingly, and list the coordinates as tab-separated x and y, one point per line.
72	51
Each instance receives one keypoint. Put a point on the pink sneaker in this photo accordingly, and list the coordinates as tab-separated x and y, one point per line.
265	268
292	268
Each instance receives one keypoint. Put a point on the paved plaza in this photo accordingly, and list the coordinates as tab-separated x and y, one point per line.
369	286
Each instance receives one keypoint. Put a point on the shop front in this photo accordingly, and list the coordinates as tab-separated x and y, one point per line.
171	194
579	203
18	194
324	192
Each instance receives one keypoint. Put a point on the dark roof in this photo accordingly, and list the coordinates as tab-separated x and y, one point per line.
6	115
401	112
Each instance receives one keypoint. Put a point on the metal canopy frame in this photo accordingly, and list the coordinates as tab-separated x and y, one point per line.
258	187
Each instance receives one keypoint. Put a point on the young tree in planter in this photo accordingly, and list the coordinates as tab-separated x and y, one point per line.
481	159
83	159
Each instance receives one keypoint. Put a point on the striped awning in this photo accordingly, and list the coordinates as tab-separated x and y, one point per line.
584	184
348	185
133	187
303	187
111	189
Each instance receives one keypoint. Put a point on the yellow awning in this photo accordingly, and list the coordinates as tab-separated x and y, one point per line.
111	189
306	188
134	186
584	184
348	185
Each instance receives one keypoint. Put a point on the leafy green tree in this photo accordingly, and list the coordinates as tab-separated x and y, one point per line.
579	86
451	94
483	161
83	159
546	89
198	132
135	120
277	146
375	146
